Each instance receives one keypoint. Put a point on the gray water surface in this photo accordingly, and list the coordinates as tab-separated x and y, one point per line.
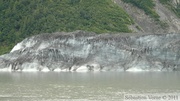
90	86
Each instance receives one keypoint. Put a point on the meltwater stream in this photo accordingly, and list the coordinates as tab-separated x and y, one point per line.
91	86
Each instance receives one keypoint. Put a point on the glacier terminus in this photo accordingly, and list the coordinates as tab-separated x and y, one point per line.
88	51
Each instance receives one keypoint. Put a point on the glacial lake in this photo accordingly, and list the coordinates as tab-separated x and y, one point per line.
89	86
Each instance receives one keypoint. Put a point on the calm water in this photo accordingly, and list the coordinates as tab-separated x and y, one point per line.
91	86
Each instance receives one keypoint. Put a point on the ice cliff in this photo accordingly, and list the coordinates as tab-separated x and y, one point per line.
86	51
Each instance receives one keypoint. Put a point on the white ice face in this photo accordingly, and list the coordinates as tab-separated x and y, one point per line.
27	43
17	47
89	52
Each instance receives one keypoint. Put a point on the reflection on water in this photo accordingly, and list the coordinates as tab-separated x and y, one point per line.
91	86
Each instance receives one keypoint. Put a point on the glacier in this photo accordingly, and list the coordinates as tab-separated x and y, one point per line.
82	51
